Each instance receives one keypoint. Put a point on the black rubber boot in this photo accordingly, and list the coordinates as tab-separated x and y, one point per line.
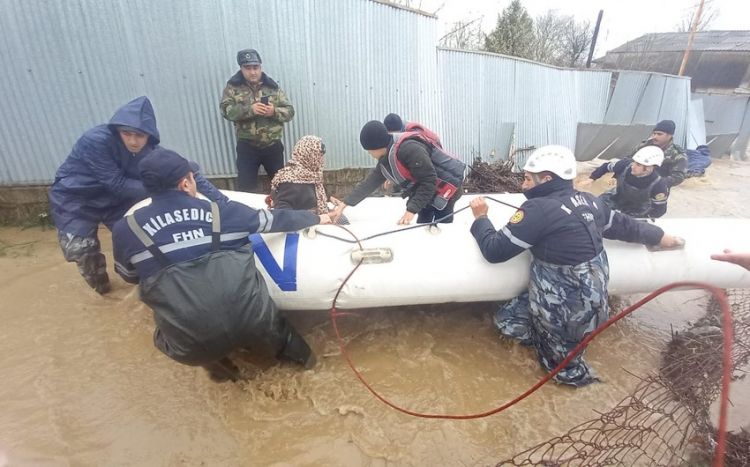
222	370
99	282
297	350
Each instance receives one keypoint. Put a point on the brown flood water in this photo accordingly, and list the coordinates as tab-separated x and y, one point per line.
83	385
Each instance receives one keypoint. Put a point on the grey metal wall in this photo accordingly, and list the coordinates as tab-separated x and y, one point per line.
642	97
696	127
728	115
69	64
487	96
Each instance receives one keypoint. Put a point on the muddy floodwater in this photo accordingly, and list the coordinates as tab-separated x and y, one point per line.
83	385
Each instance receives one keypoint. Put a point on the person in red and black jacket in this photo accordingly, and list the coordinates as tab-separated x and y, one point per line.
431	179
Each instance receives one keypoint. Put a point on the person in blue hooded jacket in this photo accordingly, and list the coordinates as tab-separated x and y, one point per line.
99	181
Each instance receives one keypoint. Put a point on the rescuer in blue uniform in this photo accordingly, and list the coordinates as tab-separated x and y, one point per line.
563	229
640	191
99	182
196	270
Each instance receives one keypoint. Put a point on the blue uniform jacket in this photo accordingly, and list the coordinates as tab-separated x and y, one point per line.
100	180
181	226
547	224
659	193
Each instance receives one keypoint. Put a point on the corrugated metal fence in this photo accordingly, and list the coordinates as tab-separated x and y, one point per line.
727	123
486	97
641	97
68	65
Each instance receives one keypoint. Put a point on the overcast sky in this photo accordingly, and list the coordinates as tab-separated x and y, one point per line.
623	20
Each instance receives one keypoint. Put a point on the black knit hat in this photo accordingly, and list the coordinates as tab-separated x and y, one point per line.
393	122
374	135
162	169
667	126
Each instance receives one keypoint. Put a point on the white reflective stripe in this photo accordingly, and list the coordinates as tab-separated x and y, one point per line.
515	240
265	220
565	208
611	218
125	271
144	255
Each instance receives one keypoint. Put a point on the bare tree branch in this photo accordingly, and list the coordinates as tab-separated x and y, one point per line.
710	13
465	35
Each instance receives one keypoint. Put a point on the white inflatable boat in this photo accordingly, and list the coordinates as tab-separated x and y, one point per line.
443	264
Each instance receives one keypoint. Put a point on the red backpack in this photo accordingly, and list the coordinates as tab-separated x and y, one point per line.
426	133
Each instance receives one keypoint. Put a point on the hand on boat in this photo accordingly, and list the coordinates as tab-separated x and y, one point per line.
406	218
479	207
671	241
585	183
740	259
338	210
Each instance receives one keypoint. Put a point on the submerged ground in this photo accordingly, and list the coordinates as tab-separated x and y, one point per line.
83	385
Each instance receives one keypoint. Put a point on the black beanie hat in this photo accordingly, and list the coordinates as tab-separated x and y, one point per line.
667	126
374	135
162	168
393	122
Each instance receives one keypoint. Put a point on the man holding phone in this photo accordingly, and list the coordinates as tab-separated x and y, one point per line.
258	108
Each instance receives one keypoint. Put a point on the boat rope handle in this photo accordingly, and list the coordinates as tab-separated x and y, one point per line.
417	226
718	294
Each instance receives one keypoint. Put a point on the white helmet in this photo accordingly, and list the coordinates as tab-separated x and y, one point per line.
648	156
556	159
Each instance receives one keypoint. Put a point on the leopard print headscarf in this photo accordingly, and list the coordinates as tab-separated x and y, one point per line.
306	166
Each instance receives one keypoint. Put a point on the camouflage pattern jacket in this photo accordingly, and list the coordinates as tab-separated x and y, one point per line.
674	167
236	106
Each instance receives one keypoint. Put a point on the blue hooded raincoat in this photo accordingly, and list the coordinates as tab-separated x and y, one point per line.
99	181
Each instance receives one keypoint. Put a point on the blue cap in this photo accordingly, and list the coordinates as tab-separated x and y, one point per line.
162	168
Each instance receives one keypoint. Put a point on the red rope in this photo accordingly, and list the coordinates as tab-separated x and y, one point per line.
718	294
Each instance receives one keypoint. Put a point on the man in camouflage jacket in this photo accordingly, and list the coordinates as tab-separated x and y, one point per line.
259	108
674	167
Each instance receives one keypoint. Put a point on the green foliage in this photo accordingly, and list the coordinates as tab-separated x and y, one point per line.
513	34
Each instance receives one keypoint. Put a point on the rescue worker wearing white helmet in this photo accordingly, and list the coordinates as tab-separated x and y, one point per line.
563	228
640	191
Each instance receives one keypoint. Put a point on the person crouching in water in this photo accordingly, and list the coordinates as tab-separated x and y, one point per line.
640	191
196	270
431	179
299	185
563	229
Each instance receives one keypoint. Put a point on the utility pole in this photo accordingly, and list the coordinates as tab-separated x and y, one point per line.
691	35
593	39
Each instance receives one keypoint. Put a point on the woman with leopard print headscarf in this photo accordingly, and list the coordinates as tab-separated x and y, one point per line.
299	185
